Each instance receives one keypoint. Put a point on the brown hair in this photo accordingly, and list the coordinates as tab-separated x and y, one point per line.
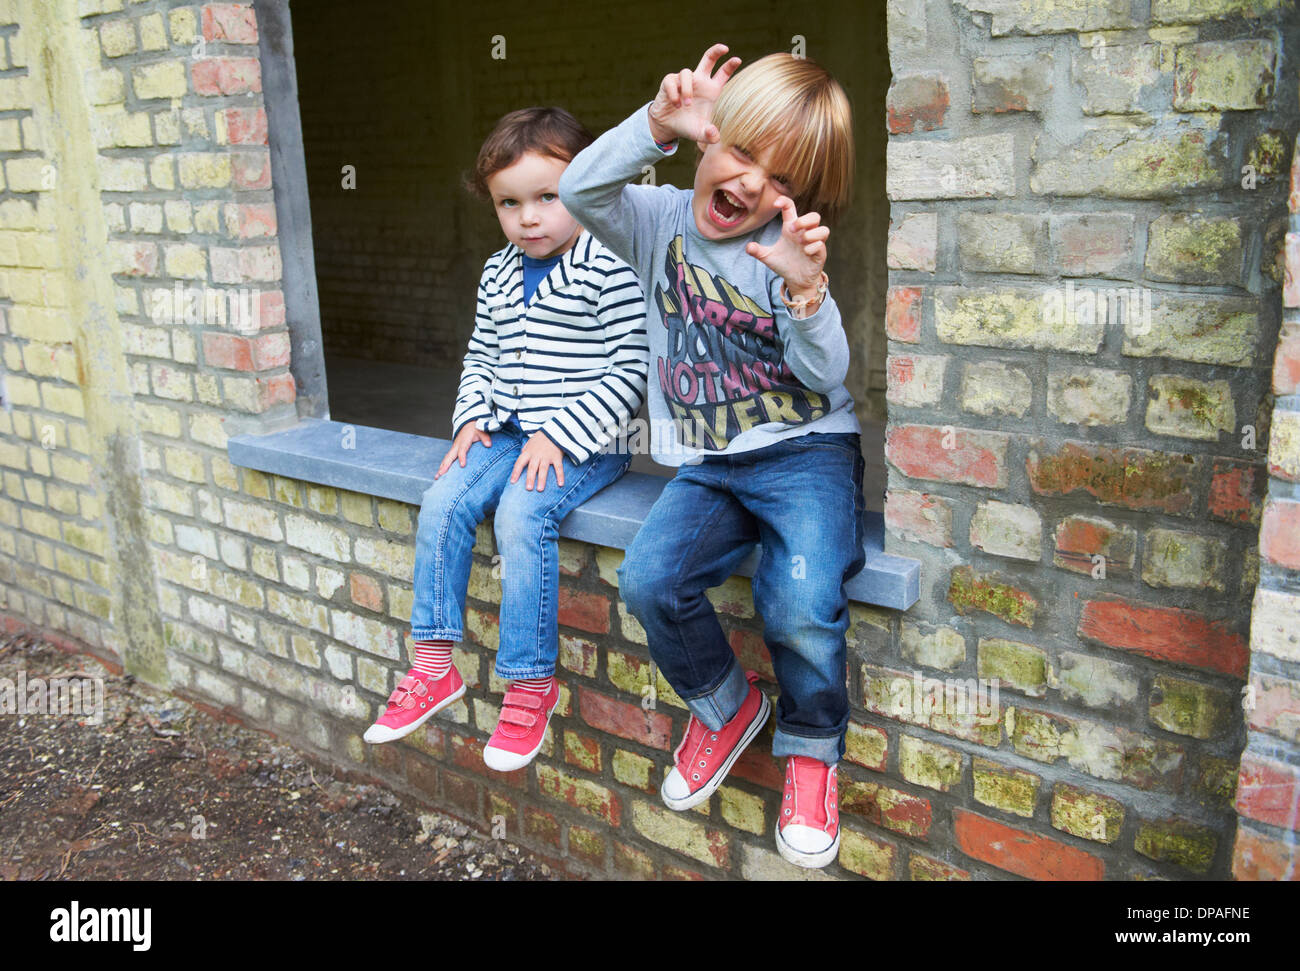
794	104
545	131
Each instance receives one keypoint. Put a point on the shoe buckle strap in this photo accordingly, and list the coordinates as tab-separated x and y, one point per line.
522	699
515	717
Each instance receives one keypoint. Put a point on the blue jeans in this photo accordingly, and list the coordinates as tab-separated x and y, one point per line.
526	525
802	499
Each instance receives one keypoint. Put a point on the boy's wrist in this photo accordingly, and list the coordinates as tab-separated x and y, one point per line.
662	136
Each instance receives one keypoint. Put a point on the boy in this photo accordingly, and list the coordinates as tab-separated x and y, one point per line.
556	363
748	357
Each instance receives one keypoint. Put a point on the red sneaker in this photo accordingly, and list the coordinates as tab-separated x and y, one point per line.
808	830
704	756
418	698
521	728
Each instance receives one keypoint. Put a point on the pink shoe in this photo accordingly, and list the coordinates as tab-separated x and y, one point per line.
418	698
521	728
704	757
808	830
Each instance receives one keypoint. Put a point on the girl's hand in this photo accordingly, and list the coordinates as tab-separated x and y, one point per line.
469	434
684	106
799	255
539	453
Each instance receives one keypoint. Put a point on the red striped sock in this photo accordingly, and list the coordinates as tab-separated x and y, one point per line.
433	658
539	685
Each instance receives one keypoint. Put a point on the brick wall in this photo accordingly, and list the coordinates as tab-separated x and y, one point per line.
1084	488
1022	448
1268	785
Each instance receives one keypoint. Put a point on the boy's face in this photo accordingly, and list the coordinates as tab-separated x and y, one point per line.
735	191
526	198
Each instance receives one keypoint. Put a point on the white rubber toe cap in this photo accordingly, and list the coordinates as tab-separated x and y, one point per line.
675	787
806	846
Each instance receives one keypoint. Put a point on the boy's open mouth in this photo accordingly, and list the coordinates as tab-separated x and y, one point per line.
725	209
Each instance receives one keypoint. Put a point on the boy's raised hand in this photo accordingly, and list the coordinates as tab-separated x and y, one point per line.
683	108
799	255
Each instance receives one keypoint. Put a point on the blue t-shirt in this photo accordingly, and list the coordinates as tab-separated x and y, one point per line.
535	272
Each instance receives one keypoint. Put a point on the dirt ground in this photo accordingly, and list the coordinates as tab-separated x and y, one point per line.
157	789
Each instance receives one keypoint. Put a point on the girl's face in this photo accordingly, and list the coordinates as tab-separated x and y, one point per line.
736	190
526	199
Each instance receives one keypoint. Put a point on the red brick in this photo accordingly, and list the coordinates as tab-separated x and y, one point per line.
276	390
252	220
581	751
467	752
585	611
1279	534
420	773
903	314
580	794
672	872
542	826
1269	791
919	516
892	809
226	75
1026	854
631	861
751	650
1166	634
234	23
976	458
227	351
366	592
1236	492
245	126
624	720
1260	857
1277	705
757	765
1080	538
463	793
923	868
916	102
1286	365
1132	477
251	169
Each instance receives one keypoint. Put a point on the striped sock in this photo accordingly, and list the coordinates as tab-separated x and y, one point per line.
539	685
433	658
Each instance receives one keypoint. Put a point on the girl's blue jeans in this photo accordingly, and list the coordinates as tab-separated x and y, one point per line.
526	525
802	498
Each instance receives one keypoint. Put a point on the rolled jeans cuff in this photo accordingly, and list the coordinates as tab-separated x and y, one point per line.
718	706
827	748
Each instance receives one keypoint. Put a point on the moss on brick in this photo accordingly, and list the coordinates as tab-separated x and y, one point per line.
968	590
1013	790
1179	842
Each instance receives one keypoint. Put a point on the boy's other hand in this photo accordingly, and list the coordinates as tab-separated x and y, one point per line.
539	453
799	255
469	434
683	108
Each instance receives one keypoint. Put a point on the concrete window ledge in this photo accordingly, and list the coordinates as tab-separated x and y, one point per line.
399	466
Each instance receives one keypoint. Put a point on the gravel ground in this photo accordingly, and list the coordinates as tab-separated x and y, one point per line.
157	789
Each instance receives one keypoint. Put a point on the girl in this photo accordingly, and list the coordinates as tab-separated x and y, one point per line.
556	367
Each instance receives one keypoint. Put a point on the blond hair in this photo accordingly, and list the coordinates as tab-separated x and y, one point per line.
795	105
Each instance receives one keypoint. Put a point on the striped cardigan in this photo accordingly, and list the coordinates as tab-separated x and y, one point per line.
572	363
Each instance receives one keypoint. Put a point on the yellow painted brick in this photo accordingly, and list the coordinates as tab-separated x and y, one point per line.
105	86
185	464
153	35
630	626
115	127
395	517
357	508
39	249
32	174
322	499
632	769
11	139
117	37
183	25
733	597
185	260
17	214
66	401
607	563
204	171
50	360
742	810
164	79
